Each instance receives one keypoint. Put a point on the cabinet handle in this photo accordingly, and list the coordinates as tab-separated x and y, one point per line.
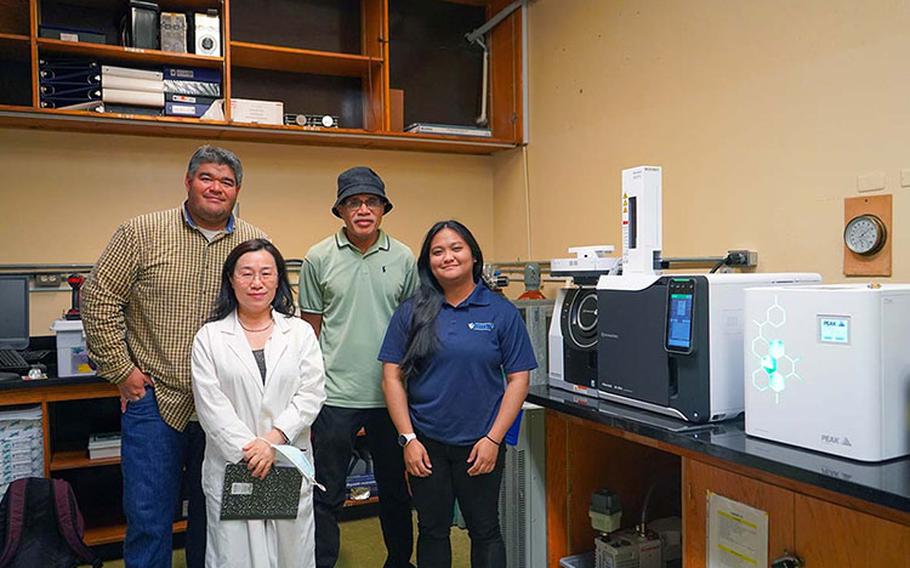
787	561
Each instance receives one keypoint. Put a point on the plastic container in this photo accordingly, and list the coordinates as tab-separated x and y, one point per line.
72	356
584	560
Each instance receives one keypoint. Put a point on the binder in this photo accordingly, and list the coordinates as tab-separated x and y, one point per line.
192	88
50	74
138	98
96	106
67	62
60	102
71	34
246	497
111	70
82	92
89	79
109	108
192	74
189	99
132	84
185	109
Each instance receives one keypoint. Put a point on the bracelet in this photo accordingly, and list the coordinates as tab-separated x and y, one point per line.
492	440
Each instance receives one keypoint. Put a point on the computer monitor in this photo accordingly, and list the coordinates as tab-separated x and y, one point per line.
13	312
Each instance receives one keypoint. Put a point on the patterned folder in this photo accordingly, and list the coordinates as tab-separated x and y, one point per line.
246	497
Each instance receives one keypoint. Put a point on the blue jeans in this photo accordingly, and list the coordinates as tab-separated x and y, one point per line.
156	461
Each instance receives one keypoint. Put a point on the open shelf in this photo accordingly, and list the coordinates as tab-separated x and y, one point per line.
13	39
276	58
14	46
95	536
15	70
76	459
169	126
334	57
127	54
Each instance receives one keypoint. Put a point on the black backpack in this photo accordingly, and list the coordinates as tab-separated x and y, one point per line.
40	525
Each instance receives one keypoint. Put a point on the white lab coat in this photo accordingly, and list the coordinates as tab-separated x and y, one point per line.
234	407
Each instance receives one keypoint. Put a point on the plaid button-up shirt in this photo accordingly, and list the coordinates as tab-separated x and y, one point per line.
149	293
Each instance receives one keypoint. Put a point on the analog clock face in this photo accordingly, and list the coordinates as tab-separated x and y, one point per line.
865	234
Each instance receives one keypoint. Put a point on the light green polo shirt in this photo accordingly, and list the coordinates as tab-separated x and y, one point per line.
356	294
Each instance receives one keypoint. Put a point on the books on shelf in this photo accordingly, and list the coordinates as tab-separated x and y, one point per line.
448	130
106	445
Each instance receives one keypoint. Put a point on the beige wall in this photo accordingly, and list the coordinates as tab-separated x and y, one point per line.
62	195
762	114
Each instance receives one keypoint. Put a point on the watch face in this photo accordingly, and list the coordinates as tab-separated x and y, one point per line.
864	234
402	440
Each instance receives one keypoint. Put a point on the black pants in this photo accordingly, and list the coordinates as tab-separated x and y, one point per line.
334	432
478	497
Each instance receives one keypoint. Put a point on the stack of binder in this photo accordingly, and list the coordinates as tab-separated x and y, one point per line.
68	83
190	91
128	90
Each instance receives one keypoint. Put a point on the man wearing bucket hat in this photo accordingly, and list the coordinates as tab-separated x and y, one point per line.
350	285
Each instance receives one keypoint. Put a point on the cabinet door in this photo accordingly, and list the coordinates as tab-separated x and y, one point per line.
699	478
831	535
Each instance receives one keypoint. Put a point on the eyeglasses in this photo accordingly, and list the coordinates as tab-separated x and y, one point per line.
353	203
248	277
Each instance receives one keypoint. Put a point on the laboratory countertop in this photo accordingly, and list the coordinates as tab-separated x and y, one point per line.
883	483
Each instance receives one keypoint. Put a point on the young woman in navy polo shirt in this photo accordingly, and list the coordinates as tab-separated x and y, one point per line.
456	364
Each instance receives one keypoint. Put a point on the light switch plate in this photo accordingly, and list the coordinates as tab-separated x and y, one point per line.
872	181
905	178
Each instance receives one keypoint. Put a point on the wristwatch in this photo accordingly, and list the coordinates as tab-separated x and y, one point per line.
405	439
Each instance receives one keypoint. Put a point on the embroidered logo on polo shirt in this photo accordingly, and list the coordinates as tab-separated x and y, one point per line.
481	326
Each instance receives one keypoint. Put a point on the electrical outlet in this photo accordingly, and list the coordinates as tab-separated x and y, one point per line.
47	280
743	258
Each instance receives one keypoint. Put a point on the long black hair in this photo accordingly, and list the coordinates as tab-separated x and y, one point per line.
283	302
422	341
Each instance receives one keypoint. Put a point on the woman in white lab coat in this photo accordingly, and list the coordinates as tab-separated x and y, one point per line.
258	380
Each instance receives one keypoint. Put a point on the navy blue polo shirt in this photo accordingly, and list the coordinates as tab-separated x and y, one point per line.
457	396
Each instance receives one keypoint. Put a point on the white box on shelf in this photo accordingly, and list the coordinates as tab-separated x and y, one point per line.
72	356
257	112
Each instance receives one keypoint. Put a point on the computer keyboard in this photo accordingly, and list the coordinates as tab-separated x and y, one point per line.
11	360
35	356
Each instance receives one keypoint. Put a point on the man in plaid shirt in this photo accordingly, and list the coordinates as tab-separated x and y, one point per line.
152	289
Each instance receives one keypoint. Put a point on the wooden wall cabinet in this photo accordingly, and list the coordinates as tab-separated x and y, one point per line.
821	533
336	57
